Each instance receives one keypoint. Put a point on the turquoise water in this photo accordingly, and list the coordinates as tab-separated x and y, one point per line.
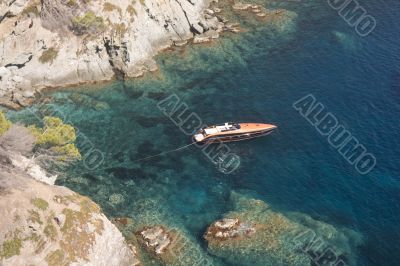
254	76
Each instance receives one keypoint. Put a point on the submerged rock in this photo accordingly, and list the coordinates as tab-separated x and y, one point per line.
282	20
156	239
85	100
241	6
160	244
116	199
172	247
346	40
201	39
253	233
229	228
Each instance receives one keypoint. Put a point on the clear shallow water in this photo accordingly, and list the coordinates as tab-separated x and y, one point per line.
256	76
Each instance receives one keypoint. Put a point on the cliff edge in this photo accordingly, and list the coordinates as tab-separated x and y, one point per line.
67	42
45	224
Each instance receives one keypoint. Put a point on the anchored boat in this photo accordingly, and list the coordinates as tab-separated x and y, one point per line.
232	132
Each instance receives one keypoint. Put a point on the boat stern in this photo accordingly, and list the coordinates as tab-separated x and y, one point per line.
198	137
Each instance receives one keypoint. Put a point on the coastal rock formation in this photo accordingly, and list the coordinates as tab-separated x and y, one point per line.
49	225
253	233
60	43
164	244
46	44
281	19
42	223
156	239
229	228
172	247
16	144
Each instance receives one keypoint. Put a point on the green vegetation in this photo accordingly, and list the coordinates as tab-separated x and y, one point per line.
4	123
108	7
61	199
56	258
37	241
40	245
58	137
31	9
33	237
40	203
11	248
50	231
68	151
69	220
54	132
72	229
48	56
119	28
34	217
71	3
131	10
88	23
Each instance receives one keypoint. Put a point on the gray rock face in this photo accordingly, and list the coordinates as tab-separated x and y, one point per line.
60	43
51	225
43	224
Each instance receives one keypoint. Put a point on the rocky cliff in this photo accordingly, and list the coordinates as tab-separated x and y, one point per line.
66	42
45	224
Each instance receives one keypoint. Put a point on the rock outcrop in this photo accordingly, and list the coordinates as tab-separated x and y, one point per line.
156	239
60	43
253	233
43	224
164	244
228	228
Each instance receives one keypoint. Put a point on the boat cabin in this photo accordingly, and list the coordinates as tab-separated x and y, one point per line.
220	128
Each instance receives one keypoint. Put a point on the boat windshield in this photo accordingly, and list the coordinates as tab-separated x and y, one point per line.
230	126
219	128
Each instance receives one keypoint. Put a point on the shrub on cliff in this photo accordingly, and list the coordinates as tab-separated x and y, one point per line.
57	137
48	55
4	123
87	24
31	9
11	248
109	7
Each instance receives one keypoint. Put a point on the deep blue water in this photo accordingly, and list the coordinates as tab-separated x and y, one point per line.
257	76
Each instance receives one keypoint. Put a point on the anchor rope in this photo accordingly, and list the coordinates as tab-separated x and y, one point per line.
163	153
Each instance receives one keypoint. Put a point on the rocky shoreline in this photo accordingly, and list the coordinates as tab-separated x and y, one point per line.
50	44
58	43
44	224
52	225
